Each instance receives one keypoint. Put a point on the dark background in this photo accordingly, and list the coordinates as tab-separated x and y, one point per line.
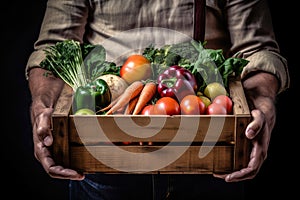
24	176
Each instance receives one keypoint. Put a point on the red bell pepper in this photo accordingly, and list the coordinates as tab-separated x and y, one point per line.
176	82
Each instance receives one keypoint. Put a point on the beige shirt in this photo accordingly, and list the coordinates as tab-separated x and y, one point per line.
236	26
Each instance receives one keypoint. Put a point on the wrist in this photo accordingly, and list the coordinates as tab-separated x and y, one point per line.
44	90
261	84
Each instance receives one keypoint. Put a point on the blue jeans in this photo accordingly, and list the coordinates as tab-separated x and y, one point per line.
153	187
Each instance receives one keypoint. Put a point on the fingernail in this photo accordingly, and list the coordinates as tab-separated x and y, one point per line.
47	141
228	178
250	133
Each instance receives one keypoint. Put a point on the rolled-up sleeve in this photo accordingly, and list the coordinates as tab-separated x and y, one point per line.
252	36
271	62
63	19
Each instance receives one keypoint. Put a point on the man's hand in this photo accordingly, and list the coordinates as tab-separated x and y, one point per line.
45	91
260	89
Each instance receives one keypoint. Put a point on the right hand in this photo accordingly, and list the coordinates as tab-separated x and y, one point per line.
43	140
45	91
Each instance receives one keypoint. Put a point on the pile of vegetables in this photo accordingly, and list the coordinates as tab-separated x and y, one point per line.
207	65
166	74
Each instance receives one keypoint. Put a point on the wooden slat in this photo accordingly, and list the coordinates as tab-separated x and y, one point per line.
240	105
60	148
242	113
60	127
195	127
242	144
219	160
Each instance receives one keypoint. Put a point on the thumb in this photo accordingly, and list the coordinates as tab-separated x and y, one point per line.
256	124
43	127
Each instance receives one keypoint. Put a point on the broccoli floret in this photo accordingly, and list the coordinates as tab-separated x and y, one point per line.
172	59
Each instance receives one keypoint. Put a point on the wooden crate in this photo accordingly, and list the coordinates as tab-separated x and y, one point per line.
180	144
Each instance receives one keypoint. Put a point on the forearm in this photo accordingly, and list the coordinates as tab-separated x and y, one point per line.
253	38
45	90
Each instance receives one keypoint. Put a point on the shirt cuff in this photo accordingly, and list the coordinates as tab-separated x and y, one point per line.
271	62
34	61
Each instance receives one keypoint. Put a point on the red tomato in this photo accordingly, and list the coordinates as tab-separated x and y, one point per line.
216	109
136	67
192	105
167	106
126	143
225	101
148	110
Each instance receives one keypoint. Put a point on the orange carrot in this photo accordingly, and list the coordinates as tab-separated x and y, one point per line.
131	106
130	93
111	104
146	95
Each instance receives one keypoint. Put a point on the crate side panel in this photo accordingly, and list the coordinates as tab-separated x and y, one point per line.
223	159
242	144
60	126
236	91
90	129
60	147
188	162
242	113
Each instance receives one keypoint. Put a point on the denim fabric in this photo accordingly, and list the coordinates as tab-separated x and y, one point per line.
153	187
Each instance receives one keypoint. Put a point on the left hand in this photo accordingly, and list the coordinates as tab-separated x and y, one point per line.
260	90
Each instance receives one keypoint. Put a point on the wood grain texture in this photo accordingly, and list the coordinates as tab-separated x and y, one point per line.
79	140
219	160
60	127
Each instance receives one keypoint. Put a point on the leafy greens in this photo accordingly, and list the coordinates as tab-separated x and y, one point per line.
77	64
207	65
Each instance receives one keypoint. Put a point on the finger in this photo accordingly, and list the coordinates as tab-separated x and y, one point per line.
241	175
63	173
255	125
250	171
222	176
55	171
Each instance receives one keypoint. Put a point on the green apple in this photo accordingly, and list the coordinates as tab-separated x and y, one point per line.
214	89
85	111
